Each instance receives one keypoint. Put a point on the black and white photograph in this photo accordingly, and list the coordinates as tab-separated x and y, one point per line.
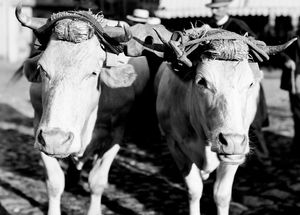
149	107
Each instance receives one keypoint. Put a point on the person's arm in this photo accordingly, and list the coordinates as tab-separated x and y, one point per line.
290	74
288	62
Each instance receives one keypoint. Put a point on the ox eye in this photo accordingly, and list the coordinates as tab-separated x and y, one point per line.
43	72
92	75
251	85
200	81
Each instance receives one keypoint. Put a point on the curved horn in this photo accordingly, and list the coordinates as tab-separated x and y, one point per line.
271	50
120	34
30	22
180	54
162	39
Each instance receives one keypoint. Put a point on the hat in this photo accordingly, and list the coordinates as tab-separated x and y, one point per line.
219	3
154	21
142	16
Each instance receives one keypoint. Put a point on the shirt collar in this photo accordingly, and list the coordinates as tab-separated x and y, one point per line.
223	20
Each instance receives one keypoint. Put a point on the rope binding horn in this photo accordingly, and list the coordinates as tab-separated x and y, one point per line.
44	32
218	44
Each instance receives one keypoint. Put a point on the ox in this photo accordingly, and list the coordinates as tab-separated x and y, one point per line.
206	100
81	96
205	111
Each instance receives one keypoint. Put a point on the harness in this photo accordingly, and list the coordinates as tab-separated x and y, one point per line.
43	33
213	43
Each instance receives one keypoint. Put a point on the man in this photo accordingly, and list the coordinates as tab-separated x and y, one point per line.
290	81
221	19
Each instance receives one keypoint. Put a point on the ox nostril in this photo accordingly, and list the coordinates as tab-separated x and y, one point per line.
40	138
244	141
222	139
70	137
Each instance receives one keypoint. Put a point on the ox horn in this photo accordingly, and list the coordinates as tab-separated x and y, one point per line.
180	54
271	50
162	39
30	22
120	34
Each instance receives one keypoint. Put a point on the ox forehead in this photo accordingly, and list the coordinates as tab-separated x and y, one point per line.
237	73
60	55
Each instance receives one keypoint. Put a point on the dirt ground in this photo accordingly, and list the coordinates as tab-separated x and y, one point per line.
143	179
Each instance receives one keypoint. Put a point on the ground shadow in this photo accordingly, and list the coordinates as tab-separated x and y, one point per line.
269	182
164	191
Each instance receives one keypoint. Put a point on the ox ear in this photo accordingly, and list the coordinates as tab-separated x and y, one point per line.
30	69
119	76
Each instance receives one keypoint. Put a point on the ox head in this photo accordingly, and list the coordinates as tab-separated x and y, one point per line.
69	70
223	78
223	102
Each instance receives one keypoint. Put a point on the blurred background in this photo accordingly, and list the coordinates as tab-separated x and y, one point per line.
269	19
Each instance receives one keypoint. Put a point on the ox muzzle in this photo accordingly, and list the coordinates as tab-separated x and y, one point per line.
231	148
54	142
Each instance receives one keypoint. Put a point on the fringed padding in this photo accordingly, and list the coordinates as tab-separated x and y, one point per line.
221	44
227	50
189	46
73	30
217	47
196	33
68	30
99	16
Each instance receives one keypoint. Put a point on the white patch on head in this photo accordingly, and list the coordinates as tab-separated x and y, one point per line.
70	93
229	96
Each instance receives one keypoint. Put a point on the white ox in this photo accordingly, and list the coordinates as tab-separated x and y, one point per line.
206	100
74	91
206	122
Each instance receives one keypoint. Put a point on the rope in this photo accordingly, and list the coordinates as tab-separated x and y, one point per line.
109	43
215	44
73	30
226	35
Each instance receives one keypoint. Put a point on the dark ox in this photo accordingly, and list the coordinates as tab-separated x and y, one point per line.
81	95
206	100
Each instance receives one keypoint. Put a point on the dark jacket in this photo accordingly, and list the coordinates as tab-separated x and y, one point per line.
235	25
